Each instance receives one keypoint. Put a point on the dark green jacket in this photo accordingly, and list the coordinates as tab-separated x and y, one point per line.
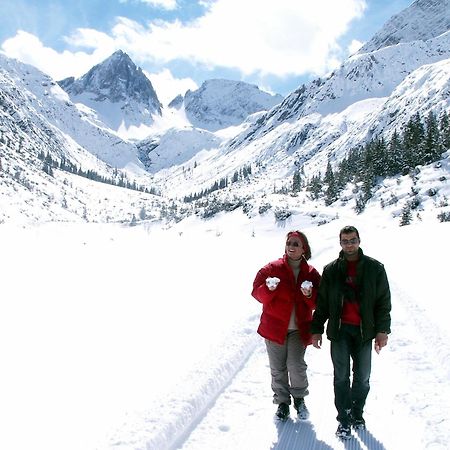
373	293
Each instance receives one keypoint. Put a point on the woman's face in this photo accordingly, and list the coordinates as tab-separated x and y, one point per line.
294	247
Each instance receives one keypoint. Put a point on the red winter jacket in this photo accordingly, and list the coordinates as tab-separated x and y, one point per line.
278	304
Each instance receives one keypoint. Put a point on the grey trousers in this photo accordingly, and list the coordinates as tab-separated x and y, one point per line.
288	368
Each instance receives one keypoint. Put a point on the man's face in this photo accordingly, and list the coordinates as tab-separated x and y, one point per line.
350	245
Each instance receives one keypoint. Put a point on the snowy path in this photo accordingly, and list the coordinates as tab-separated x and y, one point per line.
398	414
139	356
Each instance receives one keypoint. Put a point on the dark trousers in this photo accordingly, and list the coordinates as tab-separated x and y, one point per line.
350	396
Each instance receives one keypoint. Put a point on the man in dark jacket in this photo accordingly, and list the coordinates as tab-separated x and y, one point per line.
354	297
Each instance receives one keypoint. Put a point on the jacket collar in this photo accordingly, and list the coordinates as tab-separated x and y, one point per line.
342	258
286	261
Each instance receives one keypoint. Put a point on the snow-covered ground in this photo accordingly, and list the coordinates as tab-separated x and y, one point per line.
145	338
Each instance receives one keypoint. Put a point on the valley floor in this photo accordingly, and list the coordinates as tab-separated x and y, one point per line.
128	338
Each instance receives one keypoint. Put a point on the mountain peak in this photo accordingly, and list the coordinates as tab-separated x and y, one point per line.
117	78
422	20
118	94
220	103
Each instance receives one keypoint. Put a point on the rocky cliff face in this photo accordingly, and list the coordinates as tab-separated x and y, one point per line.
115	79
117	92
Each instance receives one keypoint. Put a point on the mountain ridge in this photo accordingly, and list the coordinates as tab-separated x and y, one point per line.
408	26
370	96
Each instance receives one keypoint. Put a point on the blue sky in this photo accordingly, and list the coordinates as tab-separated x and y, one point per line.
276	44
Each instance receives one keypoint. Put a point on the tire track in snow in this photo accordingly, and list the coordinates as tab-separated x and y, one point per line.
173	418
242	418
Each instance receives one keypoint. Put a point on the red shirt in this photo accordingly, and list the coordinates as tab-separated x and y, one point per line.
350	308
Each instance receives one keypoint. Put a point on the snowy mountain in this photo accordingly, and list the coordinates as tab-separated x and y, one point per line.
41	127
118	95
229	142
202	120
175	146
422	20
219	104
362	77
370	95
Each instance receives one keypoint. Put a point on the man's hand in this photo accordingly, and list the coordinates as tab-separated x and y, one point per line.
381	340
317	340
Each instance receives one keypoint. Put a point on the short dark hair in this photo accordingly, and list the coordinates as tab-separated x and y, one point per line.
305	243
347	230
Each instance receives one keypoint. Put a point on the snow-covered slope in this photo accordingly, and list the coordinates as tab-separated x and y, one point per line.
276	151
118	95
370	95
37	119
424	90
39	99
175	147
362	76
202	120
422	20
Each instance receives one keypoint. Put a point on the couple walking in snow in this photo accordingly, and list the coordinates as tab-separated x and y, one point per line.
352	295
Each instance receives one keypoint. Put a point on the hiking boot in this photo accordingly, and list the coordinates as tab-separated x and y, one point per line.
282	411
358	423
344	431
302	410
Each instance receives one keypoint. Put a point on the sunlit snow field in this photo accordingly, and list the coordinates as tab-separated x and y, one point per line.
124	337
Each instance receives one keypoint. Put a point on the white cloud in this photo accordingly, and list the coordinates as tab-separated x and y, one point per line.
354	46
280	38
256	37
165	4
167	87
29	49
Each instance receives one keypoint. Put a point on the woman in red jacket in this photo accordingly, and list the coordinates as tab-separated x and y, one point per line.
287	288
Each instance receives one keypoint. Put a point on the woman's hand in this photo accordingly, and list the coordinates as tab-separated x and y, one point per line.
306	288
307	292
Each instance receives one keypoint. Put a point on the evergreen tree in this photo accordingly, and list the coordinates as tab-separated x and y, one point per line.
444	133
296	181
413	138
360	204
394	155
315	186
368	174
340	178
431	141
142	214
329	180
379	158
47	168
406	216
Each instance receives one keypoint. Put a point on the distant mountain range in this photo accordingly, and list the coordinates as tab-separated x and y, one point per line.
219	104
108	122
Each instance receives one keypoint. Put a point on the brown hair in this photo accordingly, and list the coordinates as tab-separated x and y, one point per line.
305	243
